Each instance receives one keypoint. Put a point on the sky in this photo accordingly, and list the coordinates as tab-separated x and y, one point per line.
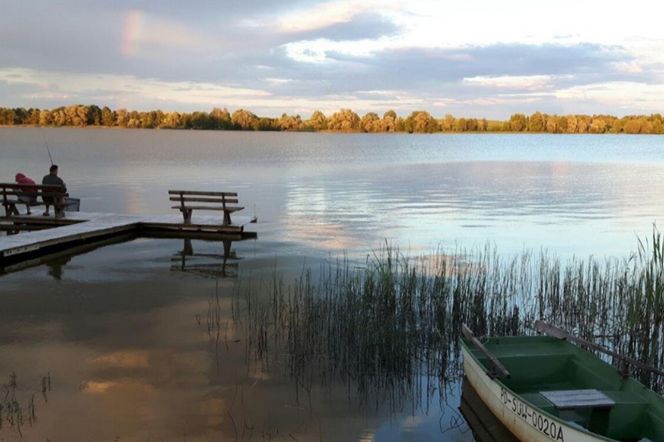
473	58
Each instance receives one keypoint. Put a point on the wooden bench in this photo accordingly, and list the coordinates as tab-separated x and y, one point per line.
190	200
32	195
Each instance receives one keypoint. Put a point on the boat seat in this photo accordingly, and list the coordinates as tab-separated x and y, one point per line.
589	402
573	399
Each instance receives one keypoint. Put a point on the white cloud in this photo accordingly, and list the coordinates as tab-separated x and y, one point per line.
316	51
121	88
629	67
617	95
331	13
436	24
522	82
132	92
278	81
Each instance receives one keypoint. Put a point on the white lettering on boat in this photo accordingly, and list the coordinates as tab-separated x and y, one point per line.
533	417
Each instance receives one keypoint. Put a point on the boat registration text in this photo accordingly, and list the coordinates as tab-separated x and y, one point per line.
534	418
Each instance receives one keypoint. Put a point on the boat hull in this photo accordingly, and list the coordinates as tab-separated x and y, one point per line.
524	421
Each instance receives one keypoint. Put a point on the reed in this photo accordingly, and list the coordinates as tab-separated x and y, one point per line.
13	414
389	328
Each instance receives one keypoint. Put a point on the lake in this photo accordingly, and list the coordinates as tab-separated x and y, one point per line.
129	342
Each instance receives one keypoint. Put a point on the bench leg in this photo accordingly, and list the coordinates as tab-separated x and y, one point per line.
11	210
227	248
186	214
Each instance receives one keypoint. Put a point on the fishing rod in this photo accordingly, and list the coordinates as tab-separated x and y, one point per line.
49	152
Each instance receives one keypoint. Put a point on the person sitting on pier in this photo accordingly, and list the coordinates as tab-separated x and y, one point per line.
52	179
29	195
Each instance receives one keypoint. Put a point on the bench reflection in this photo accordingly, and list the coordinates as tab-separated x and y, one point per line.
211	265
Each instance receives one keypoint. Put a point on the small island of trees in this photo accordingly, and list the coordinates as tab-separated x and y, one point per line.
344	120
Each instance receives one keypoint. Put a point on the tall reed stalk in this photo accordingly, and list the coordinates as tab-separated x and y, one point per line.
391	327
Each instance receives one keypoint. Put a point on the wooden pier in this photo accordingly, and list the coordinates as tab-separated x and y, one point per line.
80	228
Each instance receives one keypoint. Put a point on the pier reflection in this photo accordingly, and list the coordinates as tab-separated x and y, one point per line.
55	266
210	265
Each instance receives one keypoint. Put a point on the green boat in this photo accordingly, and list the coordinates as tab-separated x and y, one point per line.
544	388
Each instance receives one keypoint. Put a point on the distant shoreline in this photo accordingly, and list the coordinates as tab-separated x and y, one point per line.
342	121
326	132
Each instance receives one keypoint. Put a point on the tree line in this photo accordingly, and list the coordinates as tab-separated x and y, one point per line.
344	120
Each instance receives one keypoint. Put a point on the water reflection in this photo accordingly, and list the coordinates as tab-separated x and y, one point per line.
211	265
18	404
485	426
139	360
142	351
56	265
320	192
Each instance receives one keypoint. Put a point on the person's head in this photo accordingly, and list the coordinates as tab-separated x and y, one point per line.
53	170
19	176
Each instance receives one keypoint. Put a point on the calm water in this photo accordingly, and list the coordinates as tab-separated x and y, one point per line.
124	334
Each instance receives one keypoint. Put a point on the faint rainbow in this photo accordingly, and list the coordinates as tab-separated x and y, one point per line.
131	32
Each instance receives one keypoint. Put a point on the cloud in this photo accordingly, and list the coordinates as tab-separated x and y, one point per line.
368	25
460	72
293	56
440	80
121	89
621	96
510	82
151	36
325	15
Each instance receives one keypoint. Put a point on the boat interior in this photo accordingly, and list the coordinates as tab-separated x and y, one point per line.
541	364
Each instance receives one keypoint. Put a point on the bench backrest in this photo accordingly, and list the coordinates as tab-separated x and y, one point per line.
212	198
14	190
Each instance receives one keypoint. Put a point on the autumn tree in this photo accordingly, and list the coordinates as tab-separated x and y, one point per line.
518	123
536	122
268	124
345	120
633	126
171	120
597	126
107	117
290	123
370	122
245	120
220	119
420	122
45	118
447	124
391	122
318	121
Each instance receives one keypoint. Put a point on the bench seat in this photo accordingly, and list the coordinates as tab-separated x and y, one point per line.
227	209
